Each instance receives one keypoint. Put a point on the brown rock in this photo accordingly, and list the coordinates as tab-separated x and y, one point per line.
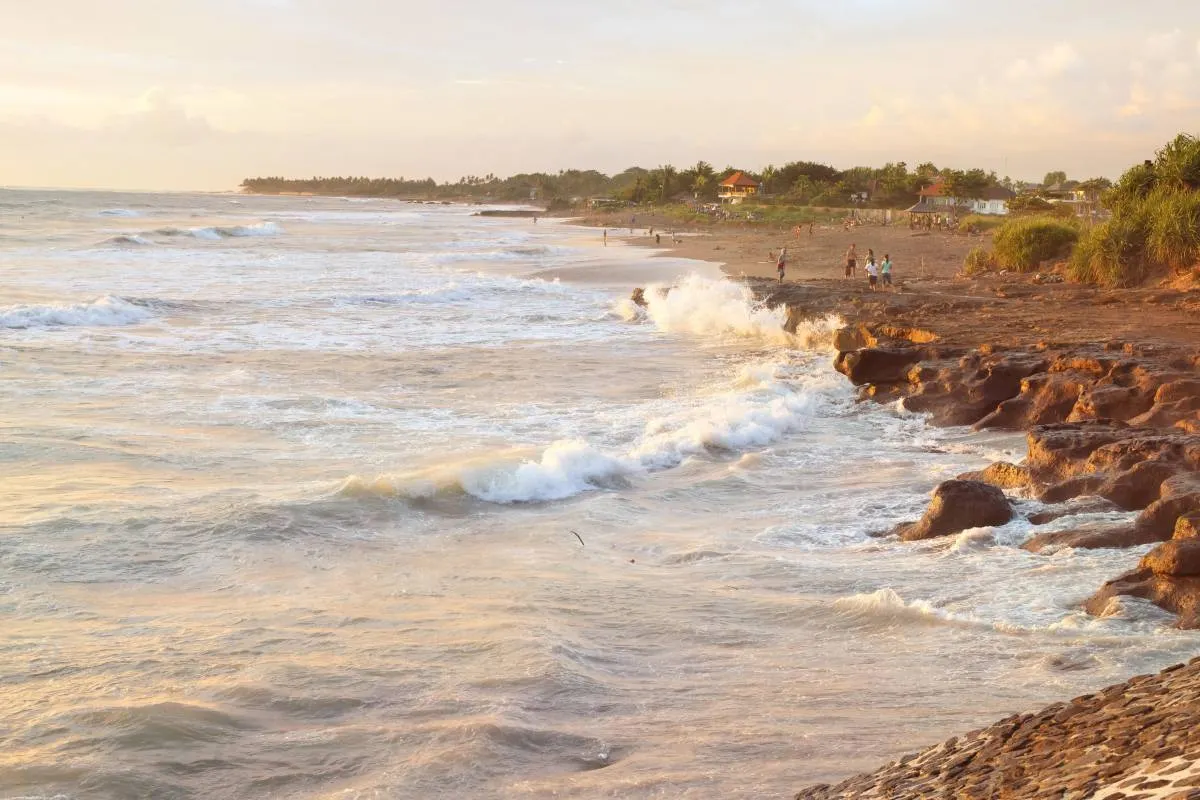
1176	558
1000	474
1178	594
877	364
1138	486
1110	402
1089	537
1187	526
1087	505
956	506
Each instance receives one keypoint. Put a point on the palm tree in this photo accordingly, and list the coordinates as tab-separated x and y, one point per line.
768	174
668	174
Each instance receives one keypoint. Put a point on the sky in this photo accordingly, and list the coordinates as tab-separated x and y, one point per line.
172	94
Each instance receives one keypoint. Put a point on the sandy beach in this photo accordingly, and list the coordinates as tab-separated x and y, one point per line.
746	250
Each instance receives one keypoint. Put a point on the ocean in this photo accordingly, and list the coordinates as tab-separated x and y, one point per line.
342	498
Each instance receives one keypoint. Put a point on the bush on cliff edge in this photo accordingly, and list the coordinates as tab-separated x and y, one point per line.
1155	224
1023	243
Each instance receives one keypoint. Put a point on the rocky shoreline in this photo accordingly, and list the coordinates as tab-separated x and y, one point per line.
1112	423
1138	740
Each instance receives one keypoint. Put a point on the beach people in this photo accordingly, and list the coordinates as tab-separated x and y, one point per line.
872	273
885	270
657	238
781	263
606	237
851	260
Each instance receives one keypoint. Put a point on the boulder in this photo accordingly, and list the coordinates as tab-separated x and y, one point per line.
1061	451
1001	474
1179	558
1138	486
1087	537
1085	505
1177	594
1110	402
853	337
1187	526
956	506
1180	497
877	364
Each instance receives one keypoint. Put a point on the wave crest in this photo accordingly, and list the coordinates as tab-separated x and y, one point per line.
105	311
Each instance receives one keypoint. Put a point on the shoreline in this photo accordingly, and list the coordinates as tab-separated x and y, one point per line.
1106	386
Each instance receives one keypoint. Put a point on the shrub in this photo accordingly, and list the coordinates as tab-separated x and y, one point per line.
979	260
980	222
1174	229
1155	225
1112	254
1023	243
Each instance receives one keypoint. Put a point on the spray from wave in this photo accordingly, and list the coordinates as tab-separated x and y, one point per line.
706	307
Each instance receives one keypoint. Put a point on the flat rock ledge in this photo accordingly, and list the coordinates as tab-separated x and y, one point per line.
1138	740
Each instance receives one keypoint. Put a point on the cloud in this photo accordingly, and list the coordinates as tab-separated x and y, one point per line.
1049	63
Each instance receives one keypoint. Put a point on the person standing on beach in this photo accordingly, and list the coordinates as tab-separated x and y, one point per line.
851	260
781	263
606	237
872	273
885	269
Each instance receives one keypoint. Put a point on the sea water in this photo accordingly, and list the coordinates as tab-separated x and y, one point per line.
332	498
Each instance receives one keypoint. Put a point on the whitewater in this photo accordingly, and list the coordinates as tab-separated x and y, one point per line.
312	498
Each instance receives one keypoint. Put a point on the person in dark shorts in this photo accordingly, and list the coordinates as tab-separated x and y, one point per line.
781	263
851	261
885	270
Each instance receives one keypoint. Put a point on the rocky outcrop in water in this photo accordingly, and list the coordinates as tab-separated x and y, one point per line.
1109	422
1138	739
1119	425
958	505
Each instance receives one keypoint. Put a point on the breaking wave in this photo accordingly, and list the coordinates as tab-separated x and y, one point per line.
119	212
708	307
105	311
218	232
127	239
761	408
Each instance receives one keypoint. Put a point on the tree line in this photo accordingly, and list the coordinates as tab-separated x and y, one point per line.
798	182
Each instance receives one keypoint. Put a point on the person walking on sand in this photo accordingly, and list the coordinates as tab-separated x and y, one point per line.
885	270
851	261
606	237
781	263
872	273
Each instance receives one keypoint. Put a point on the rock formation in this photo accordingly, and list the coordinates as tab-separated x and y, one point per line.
1138	739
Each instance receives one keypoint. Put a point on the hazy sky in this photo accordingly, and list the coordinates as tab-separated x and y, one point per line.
165	94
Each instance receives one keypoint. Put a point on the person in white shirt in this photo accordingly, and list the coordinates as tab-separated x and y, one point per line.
872	273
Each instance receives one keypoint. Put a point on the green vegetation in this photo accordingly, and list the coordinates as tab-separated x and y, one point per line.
979	259
798	183
1155	223
980	223
1023	243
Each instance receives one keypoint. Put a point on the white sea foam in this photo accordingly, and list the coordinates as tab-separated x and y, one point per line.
703	307
886	605
107	310
761	408
119	212
217	232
